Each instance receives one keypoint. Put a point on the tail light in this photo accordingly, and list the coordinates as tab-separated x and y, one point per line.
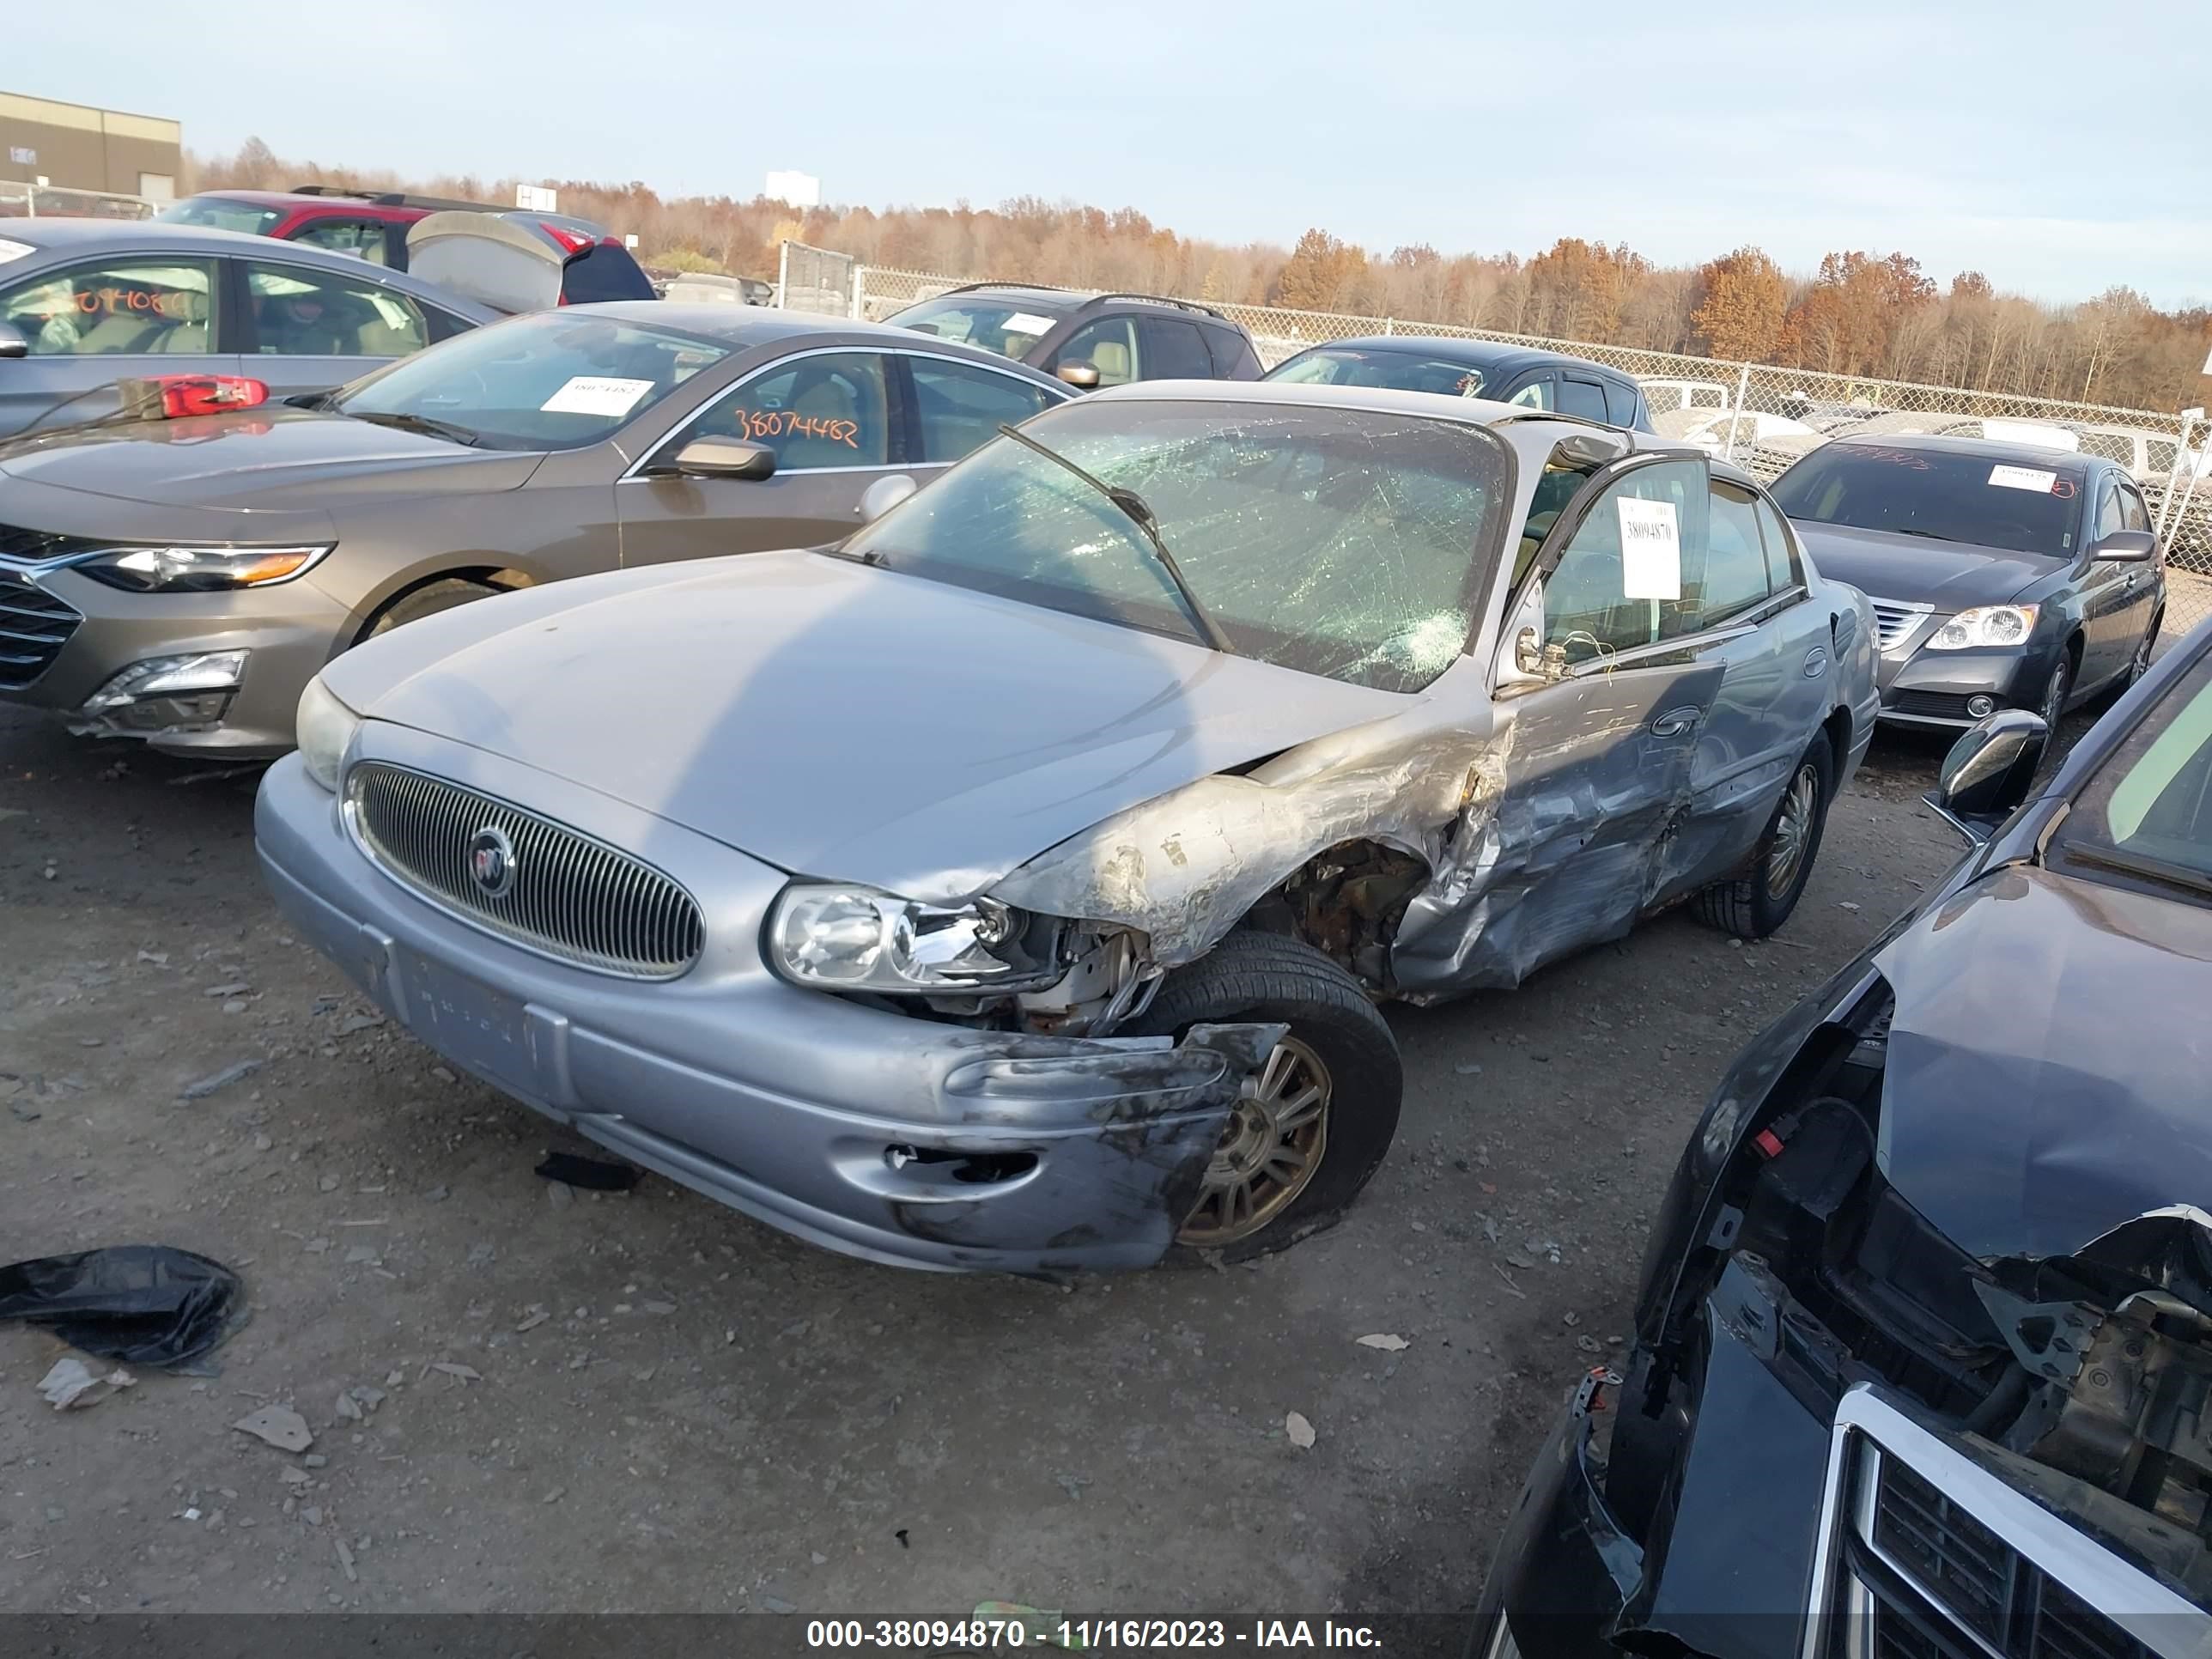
173	396
571	241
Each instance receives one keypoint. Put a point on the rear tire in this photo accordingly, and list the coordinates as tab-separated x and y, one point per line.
1280	1175
1755	902
428	600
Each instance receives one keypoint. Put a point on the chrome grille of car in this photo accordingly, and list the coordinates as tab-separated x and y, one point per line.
34	626
574	898
1932	1555
1894	621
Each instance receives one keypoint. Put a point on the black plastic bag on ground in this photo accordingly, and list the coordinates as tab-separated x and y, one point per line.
146	1305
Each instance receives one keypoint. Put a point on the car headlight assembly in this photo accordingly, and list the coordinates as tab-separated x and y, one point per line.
324	727
837	936
1984	625
199	569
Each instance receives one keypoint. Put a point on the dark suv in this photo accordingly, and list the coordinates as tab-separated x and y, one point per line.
1474	369
1090	339
374	224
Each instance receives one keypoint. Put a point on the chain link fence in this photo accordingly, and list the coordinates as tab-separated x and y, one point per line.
815	279
1764	417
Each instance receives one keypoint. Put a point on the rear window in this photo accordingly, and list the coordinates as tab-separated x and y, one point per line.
220	213
1009	328
2020	505
604	271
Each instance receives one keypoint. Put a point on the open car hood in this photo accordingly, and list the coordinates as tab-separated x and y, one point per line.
839	720
2027	1109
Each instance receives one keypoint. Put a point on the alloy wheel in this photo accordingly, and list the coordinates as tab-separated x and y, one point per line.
1793	830
1273	1144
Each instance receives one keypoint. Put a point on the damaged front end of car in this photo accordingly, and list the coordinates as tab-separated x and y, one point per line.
1838	1427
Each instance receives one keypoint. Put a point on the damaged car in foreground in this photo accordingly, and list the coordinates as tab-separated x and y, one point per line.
1012	885
1922	1359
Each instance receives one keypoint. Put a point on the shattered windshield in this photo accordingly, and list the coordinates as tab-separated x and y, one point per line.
1339	542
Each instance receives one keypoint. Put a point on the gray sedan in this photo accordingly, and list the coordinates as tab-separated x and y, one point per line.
85	303
1011	886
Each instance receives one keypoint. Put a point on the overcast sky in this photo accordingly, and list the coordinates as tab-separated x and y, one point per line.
2061	149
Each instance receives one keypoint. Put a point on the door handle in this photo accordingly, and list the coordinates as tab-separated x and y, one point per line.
1674	722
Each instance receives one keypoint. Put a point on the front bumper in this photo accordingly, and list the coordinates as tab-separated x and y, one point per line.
289	630
1725	1564
1931	688
898	1139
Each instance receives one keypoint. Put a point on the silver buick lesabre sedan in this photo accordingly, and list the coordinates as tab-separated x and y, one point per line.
1012	884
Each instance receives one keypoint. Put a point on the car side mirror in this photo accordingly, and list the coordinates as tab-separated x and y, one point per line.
1989	771
881	497
2126	547
1083	376
1520	649
14	343
718	457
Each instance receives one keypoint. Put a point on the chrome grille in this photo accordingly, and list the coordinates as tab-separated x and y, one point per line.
34	625
1894	621
574	898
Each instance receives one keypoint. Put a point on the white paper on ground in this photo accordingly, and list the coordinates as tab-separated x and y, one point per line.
1651	550
2023	478
593	394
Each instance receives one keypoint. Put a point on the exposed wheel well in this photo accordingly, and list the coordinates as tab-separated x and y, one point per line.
502	577
1347	903
1837	726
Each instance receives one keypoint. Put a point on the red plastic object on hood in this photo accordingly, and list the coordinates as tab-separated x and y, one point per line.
173	396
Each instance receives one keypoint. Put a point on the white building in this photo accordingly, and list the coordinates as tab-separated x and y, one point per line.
799	189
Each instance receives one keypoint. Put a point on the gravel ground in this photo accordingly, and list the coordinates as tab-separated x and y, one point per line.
647	1402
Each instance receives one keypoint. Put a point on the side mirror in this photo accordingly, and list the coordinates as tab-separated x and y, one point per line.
14	343
718	457
881	497
1521	651
2126	547
1083	376
1989	771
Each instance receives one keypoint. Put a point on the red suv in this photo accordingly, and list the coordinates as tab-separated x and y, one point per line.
374	225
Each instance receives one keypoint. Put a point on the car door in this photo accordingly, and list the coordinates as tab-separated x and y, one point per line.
1746	611
1604	715
834	419
1107	344
2108	639
2144	585
91	323
1172	348
306	328
1532	388
377	241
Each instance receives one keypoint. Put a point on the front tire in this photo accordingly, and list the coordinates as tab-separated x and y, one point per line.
1756	901
428	600
1311	1125
2057	691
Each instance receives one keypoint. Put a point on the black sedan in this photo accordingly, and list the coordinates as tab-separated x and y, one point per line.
2002	574
1923	1347
1474	369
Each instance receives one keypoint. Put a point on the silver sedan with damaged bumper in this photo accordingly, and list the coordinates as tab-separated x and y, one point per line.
1012	885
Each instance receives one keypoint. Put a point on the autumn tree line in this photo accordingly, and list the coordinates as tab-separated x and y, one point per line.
1860	314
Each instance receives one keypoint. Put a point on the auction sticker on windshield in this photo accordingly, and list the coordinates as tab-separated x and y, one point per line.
1028	322
2024	478
1651	550
592	394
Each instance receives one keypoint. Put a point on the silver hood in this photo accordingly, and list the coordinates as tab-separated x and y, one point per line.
838	721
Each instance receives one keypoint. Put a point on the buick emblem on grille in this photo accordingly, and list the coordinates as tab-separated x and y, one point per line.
491	862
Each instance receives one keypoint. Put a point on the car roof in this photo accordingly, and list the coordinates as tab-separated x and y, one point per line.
1526	428
1017	293
757	325
1476	353
1991	449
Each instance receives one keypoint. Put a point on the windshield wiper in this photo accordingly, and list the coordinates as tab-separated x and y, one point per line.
2141	864
1133	505
423	424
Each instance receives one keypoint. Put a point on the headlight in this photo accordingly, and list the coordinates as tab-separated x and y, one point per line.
1985	624
324	726
198	570
860	939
